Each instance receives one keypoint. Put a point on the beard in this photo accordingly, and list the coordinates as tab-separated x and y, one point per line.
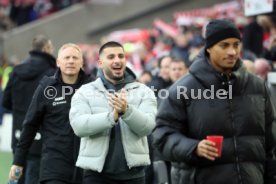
110	75
117	78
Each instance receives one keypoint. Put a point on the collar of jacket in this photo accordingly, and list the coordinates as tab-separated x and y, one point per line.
202	70
98	84
129	77
47	57
82	78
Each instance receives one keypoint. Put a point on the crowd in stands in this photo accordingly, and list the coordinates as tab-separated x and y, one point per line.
18	12
183	39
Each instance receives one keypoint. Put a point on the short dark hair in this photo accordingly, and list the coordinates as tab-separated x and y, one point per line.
144	72
177	60
39	42
159	61
110	44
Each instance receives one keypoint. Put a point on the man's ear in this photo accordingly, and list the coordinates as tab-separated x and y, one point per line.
208	50
100	63
57	63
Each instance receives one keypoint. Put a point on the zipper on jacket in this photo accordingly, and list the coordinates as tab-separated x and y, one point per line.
235	139
108	133
123	143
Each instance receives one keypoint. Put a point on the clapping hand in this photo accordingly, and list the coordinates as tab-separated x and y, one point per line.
119	103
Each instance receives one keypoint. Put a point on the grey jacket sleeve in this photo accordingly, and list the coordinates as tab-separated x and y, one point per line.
141	119
83	121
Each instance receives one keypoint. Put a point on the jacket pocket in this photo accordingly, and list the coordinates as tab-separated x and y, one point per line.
93	147
82	144
134	143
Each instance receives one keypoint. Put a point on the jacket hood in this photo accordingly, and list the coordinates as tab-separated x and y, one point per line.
34	65
203	71
129	77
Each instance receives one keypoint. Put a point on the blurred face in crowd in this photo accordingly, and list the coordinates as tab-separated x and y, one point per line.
264	21
224	54
145	78
70	60
182	40
113	63
177	70
249	65
262	67
165	68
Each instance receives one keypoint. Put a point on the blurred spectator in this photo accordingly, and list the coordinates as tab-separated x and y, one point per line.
181	46
50	114
145	77
196	44
60	4
5	21
158	82
249	65
178	69
253	34
248	55
5	76
162	80
90	58
270	51
22	11
19	92
162	46
262	67
43	8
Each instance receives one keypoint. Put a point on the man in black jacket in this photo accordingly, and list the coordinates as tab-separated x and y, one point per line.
49	111
162	81
19	92
218	97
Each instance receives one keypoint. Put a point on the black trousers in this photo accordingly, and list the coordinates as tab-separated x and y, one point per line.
97	178
55	182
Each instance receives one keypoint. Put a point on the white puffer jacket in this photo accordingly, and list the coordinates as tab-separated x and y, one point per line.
91	119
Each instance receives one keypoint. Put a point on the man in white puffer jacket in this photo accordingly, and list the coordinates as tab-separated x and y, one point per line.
113	116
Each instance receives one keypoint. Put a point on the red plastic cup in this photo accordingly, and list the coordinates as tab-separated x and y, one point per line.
218	140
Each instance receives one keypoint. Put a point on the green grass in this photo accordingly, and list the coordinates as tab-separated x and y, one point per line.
5	164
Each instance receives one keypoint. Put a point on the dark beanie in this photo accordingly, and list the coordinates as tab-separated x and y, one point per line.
220	29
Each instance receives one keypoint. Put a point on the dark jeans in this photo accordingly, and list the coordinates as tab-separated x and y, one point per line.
97	178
